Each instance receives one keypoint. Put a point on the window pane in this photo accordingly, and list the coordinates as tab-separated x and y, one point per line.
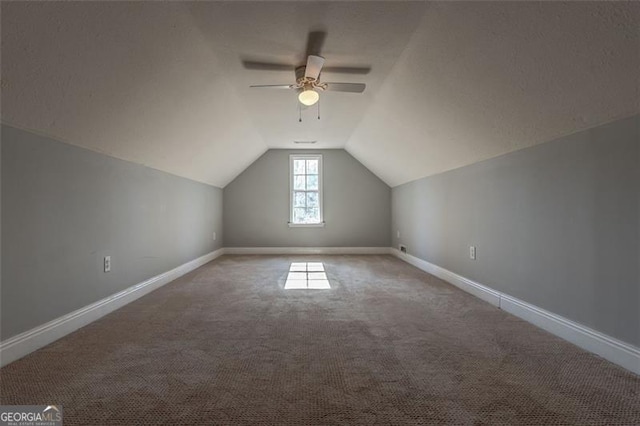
312	215
299	199
298	167
312	199
298	182
312	167
299	215
312	182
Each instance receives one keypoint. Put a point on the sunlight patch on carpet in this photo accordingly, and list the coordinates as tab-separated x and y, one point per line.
307	275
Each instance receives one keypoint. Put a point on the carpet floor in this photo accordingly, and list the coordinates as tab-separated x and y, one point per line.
387	344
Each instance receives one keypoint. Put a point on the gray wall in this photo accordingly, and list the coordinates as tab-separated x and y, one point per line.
65	207
357	205
556	225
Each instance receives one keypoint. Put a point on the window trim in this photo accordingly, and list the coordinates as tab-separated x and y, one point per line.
318	157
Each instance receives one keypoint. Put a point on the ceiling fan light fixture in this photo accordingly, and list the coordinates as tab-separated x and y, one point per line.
308	97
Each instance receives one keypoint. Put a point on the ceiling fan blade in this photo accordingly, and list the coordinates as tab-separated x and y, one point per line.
266	66
273	86
347	70
346	87
315	40
314	66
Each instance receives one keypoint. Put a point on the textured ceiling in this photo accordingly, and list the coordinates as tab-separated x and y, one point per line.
451	83
481	79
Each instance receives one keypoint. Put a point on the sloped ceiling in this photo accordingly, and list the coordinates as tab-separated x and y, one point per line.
162	83
482	79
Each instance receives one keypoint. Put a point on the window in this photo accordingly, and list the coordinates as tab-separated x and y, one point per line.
306	190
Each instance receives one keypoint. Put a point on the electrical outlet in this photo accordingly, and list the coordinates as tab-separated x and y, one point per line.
214	236
472	252
398	234
107	263
403	248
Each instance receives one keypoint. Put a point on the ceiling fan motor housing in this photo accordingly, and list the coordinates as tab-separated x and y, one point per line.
300	77
307	83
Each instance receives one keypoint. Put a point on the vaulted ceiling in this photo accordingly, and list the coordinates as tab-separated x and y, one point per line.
451	83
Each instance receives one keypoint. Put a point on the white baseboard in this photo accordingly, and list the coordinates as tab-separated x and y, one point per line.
23	344
478	290
609	348
614	350
306	250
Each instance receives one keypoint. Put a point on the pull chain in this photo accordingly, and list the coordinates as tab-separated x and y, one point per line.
299	113
318	109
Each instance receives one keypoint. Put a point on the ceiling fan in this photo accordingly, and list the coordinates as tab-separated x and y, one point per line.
308	84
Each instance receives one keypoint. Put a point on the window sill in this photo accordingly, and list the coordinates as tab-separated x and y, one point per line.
306	225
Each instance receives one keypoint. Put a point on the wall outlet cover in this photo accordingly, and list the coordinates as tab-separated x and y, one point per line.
107	264
403	248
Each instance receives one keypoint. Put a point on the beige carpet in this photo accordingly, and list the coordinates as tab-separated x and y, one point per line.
387	344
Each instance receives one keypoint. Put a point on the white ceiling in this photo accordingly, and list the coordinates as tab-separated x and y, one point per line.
162	83
482	79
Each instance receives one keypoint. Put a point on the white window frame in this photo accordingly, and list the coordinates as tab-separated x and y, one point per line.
318	157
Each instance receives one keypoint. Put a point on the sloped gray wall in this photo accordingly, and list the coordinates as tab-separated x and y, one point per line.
556	225
357	205
64	208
